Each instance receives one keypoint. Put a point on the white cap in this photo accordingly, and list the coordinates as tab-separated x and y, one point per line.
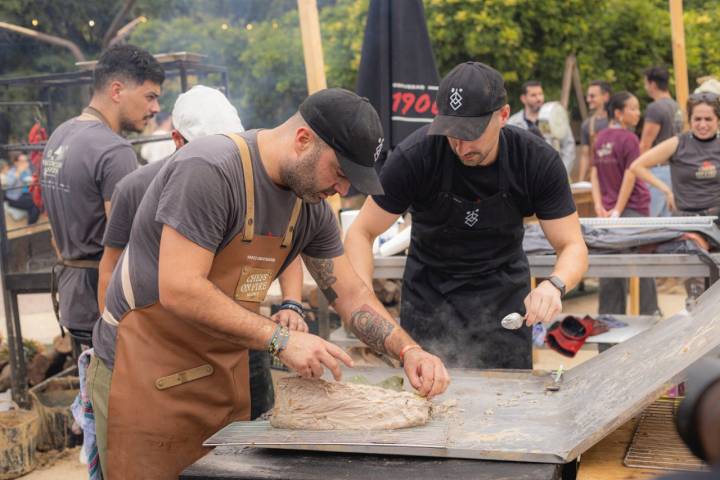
203	111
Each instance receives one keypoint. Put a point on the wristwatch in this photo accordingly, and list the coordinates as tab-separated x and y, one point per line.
557	283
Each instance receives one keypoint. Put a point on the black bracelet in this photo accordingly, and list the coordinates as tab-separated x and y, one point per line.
294	306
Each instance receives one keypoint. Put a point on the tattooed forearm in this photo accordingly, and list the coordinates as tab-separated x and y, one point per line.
322	271
371	328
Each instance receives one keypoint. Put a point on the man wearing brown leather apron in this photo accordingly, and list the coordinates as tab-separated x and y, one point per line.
85	157
468	181
216	226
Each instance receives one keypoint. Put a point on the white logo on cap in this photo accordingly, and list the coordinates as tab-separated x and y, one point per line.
456	98
378	149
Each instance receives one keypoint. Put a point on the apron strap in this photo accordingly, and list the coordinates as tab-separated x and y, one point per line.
125	279
288	238
97	114
249	228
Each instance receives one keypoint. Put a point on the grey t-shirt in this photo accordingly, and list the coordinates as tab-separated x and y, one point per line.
125	202
82	163
200	193
600	124
694	170
666	113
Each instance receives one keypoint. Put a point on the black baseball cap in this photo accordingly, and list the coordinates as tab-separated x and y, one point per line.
351	126
466	100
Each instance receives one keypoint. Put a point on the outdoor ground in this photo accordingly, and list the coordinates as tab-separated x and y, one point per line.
39	323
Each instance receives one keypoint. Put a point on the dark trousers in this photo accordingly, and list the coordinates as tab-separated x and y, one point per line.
25	203
613	291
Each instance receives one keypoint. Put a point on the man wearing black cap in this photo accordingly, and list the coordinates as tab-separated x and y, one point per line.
216	226
468	180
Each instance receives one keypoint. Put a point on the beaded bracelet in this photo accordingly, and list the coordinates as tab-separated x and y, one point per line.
278	341
294	306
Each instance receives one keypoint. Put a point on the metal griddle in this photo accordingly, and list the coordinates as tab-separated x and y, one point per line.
508	415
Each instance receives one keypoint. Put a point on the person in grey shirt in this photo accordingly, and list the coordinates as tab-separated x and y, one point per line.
663	120
219	213
694	161
533	98
83	160
598	95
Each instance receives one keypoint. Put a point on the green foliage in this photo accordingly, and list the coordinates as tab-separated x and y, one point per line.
613	40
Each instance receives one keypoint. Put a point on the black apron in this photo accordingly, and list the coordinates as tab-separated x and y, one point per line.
465	270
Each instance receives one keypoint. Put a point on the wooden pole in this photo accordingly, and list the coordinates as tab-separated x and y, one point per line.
312	45
314	64
567	81
679	60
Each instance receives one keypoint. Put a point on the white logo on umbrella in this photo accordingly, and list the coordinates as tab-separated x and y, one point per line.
471	217
455	98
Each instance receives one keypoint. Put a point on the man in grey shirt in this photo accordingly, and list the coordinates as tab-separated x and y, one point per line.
220	220
533	98
663	119
83	160
598	95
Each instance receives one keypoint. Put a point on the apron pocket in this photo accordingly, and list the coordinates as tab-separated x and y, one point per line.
184	376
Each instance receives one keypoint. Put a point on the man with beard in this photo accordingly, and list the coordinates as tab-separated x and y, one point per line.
84	159
218	223
533	98
468	181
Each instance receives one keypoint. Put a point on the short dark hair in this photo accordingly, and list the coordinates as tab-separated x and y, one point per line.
604	86
659	75
528	84
129	63
617	102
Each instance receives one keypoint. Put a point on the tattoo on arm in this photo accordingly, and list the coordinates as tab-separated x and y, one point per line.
322	271
371	328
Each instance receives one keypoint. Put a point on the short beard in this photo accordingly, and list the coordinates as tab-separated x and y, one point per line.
300	176
127	126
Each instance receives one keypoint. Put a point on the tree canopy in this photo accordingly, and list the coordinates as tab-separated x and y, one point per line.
259	41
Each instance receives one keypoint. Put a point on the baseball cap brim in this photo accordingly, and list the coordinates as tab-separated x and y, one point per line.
464	128
365	179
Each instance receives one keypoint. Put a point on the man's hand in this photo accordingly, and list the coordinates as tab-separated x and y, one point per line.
290	319
542	303
426	373
307	354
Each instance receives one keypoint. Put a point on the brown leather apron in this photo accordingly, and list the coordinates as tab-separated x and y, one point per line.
174	385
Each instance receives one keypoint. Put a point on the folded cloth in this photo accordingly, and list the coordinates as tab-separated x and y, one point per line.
84	416
569	335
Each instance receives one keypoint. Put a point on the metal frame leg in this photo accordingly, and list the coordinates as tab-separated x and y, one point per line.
18	369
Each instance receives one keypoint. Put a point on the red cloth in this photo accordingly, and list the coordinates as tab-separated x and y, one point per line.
566	337
37	135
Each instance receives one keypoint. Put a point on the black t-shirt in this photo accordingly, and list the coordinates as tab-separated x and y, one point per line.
538	183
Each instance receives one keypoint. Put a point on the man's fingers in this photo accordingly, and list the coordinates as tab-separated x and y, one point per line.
442	378
339	353
332	365
316	367
427	377
544	309
532	309
412	374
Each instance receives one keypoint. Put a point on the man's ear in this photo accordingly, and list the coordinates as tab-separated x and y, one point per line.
178	139
303	139
115	90
504	114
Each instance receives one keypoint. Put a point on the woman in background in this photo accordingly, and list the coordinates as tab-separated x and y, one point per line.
617	194
694	158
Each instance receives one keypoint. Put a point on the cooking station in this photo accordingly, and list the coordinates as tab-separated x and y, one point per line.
500	415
